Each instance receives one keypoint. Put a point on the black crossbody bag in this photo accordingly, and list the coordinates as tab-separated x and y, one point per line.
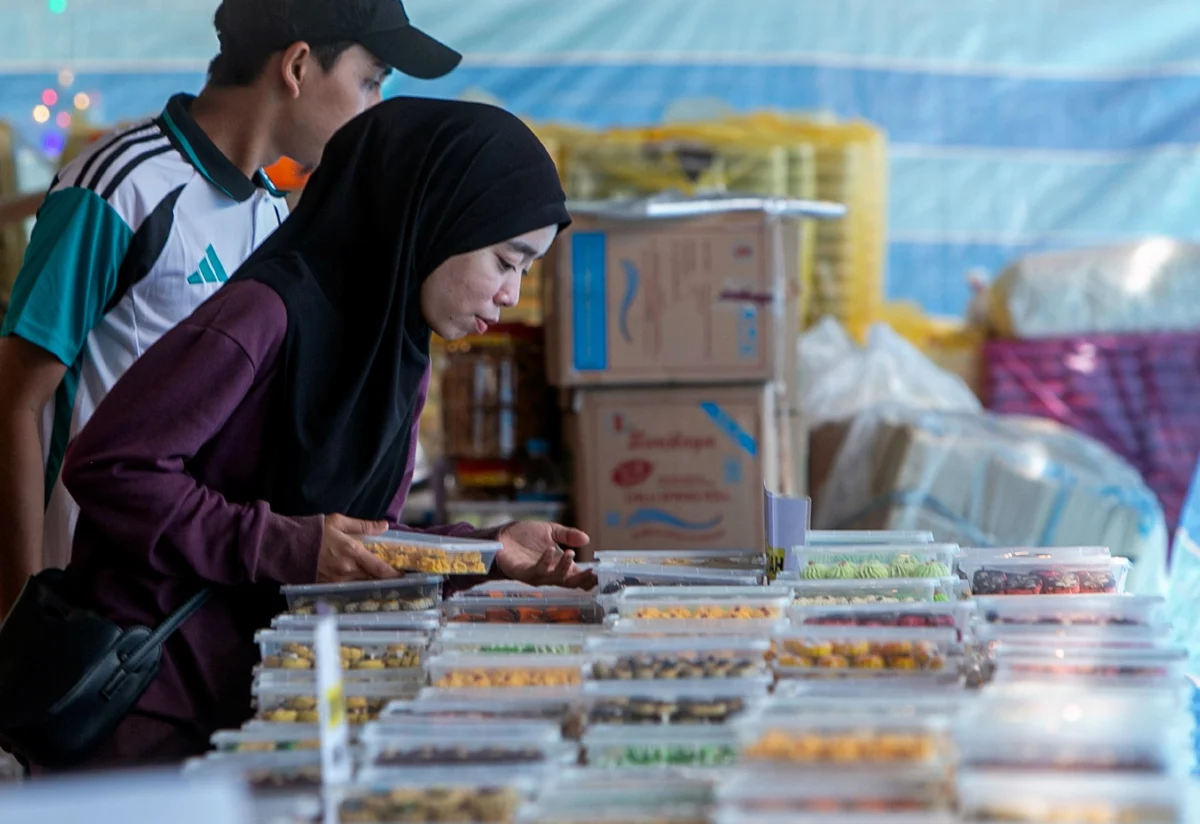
68	676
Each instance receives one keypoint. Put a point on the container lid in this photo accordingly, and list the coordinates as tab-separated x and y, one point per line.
345	637
796	697
751	728
465	709
569	598
651	628
707	593
424	621
500	695
451	659
265	732
1017	789
922	589
1053	553
681	575
956	611
1055	651
268	683
1073	610
240	762
468	735
514	635
735	816
849	550
512	589
765	782
352	587
625	645
946	636
440	542
662	734
751	687
663	557
1040	635
866	537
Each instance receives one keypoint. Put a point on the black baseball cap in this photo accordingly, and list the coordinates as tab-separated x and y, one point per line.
380	26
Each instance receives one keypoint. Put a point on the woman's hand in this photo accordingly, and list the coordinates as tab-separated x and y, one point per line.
343	557
533	554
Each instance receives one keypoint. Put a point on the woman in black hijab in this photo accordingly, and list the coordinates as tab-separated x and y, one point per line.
260	439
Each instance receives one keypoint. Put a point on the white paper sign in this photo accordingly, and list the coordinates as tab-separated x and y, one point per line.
336	766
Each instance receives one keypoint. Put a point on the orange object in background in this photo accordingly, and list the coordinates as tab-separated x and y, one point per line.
287	175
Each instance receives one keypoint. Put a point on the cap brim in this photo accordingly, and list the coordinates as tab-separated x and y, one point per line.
412	51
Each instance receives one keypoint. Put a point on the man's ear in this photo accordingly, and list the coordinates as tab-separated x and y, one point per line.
294	66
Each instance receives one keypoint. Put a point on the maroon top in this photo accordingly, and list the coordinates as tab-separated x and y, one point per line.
164	474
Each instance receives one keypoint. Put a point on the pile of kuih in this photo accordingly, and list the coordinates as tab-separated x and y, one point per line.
889	677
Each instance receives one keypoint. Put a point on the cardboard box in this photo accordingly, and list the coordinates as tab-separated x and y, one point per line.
701	300
674	468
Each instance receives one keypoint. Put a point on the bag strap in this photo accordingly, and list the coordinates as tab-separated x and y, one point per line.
166	629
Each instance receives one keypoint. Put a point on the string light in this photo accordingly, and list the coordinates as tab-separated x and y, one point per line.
65	78
63	120
50	97
41	114
82	101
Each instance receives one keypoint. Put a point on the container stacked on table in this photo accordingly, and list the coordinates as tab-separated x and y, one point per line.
1085	716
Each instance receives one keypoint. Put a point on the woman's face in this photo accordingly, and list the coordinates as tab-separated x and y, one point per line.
465	294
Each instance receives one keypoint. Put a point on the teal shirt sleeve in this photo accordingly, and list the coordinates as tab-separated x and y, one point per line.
69	273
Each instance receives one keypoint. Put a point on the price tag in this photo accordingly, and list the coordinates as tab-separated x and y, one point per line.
786	527
336	766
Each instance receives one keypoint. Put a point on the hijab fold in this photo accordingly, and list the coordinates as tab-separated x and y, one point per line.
400	190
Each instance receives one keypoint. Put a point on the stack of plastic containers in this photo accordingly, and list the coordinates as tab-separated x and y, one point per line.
680	664
1084	715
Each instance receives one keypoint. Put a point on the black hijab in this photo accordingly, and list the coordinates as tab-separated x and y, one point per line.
400	189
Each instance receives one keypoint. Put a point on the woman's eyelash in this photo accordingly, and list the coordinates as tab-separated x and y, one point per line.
505	265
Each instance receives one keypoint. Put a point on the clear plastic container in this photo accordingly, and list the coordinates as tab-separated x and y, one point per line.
530	640
268	738
426	622
588	792
1074	610
988	636
290	702
573	609
1046	553
491	798
730	815
838	651
612	578
864	698
927	615
882	792
412	593
876	562
433	554
1093	664
854	592
1028	798
677	702
673	659
655	628
513	589
746	560
467	670
867	537
845	740
703	603
607	747
565	712
265	772
365	651
1037	576
448	747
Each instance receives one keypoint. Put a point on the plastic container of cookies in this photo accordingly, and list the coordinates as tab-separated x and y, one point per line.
833	651
867	537
493	796
286	701
845	563
806	593
656	747
673	702
480	671
622	658
454	747
264	737
265	772
1089	575
578	608
701	603
425	622
433	554
1097	798
878	791
915	615
743	560
512	589
380	652
1095	665
412	593
554	639
1074	610
845	740
612	578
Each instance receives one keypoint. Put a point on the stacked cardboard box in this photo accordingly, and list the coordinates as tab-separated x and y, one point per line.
674	342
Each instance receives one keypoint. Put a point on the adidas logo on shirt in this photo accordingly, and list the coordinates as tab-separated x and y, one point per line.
210	269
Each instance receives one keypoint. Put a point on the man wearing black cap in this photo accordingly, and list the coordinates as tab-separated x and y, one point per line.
145	225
